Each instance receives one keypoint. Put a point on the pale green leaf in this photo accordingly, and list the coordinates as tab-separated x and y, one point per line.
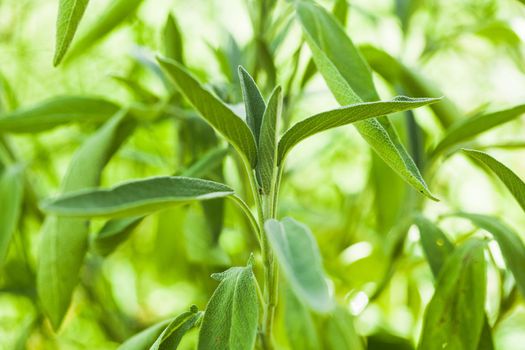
172	40
64	241
222	118
11	193
267	156
253	102
345	115
298	255
55	112
465	129
340	332
146	338
136	197
436	245
231	317
299	325
70	13
515	185
350	81
455	315
510	243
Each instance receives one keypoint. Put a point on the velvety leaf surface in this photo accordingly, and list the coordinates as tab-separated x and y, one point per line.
137	197
455	315
253	102
55	112
70	13
11	194
231	316
300	260
220	116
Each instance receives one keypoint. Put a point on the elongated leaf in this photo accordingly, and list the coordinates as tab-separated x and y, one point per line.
210	161
222	118
112	16
64	241
145	339
267	156
114	233
515	185
350	80
299	257
454	317
172	335
510	243
253	102
136	197
55	112
436	245
468	128
299	324
11	192
340	332
230	320
345	115
172	40
70	13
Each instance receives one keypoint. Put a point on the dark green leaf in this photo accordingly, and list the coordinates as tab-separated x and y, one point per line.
454	317
64	241
436	245
172	335
507	176
231	317
55	112
11	193
299	257
253	102
222	118
345	115
70	13
136	197
113	234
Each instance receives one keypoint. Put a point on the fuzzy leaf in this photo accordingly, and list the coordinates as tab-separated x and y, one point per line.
136	197
216	113
299	257
70	13
253	102
230	320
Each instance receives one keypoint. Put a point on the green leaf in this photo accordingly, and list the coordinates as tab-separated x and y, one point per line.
145	339
467	128
172	40
231	317
216	113
70	13
299	257
340	332
11	194
515	185
113	233
209	161
112	16
56	112
454	317
299	325
345	115
172	335
510	243
136	197
253	102
348	77
267	156
436	245
64	241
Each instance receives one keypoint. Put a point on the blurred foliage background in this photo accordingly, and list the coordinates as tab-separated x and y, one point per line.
470	51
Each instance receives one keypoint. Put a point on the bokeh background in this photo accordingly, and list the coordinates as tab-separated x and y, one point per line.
471	50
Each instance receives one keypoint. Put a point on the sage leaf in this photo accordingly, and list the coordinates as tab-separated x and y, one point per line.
455	315
267	155
231	316
146	338
515	185
172	40
213	110
436	245
113	233
11	194
136	197
64	241
510	243
253	102
70	13
171	336
298	255
467	128
56	112
350	81
345	115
